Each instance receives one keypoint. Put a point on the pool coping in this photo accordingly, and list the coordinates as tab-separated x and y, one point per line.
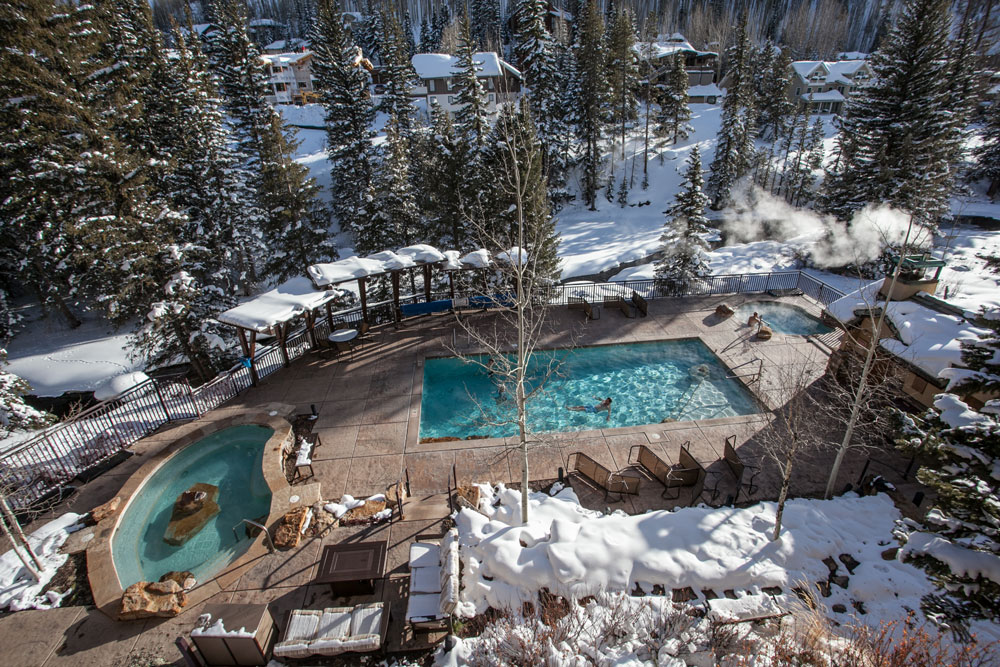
104	583
413	418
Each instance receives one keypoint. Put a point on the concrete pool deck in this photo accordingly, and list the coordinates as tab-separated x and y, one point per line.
368	416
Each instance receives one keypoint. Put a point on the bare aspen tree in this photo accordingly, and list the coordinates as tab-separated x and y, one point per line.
522	239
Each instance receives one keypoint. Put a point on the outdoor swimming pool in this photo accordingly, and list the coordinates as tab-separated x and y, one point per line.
648	382
230	459
783	318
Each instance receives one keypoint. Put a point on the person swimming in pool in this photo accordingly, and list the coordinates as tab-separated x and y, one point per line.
593	409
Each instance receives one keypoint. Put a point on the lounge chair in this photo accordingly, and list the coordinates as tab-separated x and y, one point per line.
434	582
619	303
671	477
580	303
610	482
640	303
740	469
333	631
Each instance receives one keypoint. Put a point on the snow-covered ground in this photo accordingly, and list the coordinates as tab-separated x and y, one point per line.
19	589
574	552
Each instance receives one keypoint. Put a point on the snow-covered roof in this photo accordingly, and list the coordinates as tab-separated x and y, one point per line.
331	273
286	44
443	65
852	55
285	302
834	72
423	253
825	96
927	339
265	23
705	90
286	59
667	46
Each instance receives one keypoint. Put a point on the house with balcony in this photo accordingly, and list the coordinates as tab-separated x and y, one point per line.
826	85
921	340
289	78
656	60
436	73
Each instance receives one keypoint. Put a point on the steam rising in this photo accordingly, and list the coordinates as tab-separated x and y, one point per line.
756	215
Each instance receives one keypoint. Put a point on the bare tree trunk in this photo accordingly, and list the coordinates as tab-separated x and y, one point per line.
786	482
19	540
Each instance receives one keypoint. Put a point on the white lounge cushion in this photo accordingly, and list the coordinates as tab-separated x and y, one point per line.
335	623
425	580
302	627
423	607
423	554
304	457
367	619
338	646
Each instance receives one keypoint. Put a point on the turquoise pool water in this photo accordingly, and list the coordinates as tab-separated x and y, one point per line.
230	459
648	382
783	318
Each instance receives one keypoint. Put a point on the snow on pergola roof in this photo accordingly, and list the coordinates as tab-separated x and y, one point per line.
285	302
387	261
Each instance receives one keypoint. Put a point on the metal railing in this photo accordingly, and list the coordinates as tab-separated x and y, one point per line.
40	467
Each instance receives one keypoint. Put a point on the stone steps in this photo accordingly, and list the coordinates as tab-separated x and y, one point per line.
422	507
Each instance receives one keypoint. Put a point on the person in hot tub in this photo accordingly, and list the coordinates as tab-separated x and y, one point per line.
593	409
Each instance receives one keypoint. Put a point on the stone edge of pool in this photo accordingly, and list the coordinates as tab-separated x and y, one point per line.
413	420
104	583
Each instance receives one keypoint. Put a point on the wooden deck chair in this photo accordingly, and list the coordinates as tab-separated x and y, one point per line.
610	482
740	469
673	478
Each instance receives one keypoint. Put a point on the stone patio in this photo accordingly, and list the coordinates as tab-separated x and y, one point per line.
368	421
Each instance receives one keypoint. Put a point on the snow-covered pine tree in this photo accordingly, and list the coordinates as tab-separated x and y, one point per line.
471	119
398	77
591	96
427	43
683	240
897	137
341	77
367	33
988	153
396	220
14	412
444	164
538	54
772	85
623	72
734	151
296	229
962	437
485	25
514	156
49	136
411	46
672	120
182	324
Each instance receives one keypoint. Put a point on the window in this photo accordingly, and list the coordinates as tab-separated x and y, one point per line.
491	98
798	91
918	384
279	88
451	99
302	84
840	89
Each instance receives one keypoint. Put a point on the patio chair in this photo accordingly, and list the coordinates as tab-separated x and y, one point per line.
673	478
640	303
740	469
325	348
610	482
344	346
363	329
434	582
619	303
335	630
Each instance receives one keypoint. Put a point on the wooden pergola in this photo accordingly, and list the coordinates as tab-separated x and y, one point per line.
273	313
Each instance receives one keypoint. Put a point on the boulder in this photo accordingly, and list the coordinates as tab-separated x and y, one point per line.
765	333
723	310
890	553
192	510
185	579
289	533
102	512
144	599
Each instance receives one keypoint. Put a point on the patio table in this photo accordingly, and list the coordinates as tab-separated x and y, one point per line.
343	335
351	569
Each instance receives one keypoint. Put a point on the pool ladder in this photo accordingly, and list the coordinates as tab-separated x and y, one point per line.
754	377
263	529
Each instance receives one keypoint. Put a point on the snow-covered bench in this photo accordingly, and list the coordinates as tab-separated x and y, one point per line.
434	582
303	458
333	631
